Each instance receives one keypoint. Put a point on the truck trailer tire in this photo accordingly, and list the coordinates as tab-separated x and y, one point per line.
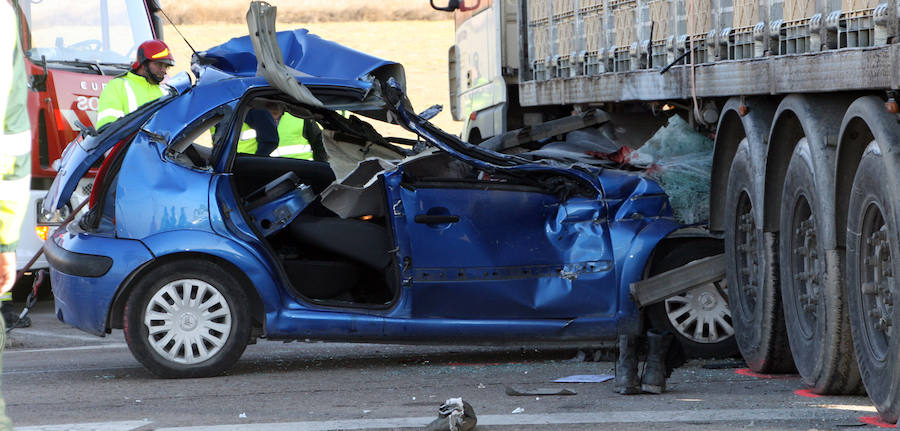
872	244
815	309
752	273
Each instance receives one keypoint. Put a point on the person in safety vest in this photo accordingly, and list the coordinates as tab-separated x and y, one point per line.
259	133
298	138
137	87
15	161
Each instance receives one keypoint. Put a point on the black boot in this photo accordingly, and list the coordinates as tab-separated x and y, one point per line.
12	318
627	366
654	378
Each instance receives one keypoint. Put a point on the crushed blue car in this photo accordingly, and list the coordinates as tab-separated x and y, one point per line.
195	250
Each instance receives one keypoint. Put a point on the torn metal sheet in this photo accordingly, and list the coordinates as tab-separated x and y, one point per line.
345	156
358	193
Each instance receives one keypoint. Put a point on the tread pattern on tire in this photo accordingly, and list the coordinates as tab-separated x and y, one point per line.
823	353
872	186
760	333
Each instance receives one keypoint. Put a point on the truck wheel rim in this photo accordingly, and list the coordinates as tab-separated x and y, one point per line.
806	267
876	282
747	252
701	314
188	321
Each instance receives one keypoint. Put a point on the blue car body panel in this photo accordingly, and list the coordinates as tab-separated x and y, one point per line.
302	51
520	263
523	255
180	198
84	302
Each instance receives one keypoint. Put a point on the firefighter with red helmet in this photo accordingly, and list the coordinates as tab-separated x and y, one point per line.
137	87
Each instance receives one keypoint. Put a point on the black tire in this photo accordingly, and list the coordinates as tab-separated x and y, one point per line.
815	309
752	274
683	315
872	244
215	343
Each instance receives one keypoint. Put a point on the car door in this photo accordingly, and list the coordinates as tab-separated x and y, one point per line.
486	250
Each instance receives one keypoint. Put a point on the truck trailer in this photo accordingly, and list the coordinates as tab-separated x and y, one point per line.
800	97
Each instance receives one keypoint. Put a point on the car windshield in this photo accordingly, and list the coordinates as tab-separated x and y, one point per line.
89	31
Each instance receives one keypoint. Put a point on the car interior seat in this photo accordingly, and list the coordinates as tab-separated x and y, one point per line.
361	246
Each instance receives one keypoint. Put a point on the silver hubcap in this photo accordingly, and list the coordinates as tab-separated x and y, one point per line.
701	314
188	321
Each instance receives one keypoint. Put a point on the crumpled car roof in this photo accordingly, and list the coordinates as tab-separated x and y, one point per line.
302	51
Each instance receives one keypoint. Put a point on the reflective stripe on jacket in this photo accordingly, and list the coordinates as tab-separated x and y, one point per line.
292	142
247	142
123	95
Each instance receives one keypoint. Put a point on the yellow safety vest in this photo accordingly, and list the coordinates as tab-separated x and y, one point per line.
291	142
123	95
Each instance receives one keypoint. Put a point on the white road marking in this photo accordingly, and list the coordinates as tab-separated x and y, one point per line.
39	333
69	370
671	416
96	426
64	349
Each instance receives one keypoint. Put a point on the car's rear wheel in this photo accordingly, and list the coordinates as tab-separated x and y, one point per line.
699	318
872	246
187	318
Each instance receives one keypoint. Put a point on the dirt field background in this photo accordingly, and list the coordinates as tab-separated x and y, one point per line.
233	11
420	45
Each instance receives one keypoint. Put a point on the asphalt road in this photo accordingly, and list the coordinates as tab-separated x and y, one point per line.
58	378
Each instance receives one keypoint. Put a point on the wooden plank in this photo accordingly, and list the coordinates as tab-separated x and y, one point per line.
679	280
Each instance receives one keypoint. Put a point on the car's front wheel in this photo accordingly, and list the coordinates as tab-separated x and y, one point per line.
699	318
187	318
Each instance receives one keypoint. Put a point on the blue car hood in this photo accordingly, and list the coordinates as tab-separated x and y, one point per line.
307	53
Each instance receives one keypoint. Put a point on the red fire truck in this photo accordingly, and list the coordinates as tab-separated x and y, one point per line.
72	49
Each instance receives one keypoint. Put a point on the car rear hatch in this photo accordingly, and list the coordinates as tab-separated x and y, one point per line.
89	147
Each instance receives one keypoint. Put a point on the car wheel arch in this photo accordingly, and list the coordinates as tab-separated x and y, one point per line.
670	248
637	260
117	309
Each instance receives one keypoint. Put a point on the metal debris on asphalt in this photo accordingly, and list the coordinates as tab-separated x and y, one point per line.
454	415
511	391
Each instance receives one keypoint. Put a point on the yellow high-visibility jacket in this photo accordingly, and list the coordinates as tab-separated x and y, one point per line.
123	95
15	133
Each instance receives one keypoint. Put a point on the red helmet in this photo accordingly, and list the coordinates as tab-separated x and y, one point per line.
153	50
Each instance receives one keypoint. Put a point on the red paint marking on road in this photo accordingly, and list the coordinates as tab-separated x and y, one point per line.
807	393
748	373
876	421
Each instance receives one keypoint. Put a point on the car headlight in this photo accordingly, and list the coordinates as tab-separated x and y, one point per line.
51	218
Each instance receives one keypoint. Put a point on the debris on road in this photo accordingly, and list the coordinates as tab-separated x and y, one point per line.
585	378
514	392
454	415
518	410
